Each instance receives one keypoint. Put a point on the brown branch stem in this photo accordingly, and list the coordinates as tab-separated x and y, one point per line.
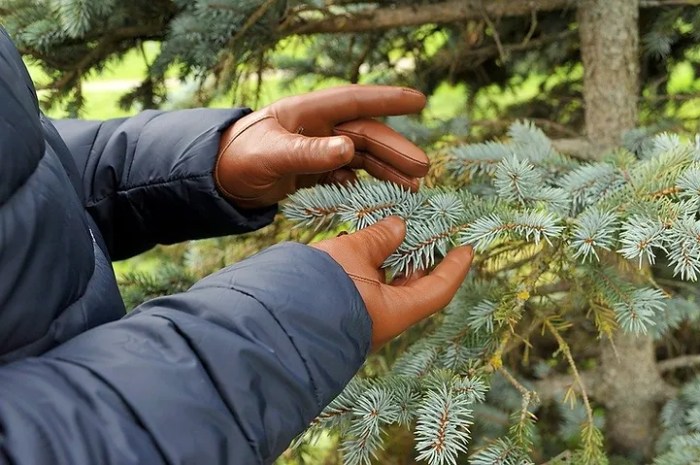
564	347
684	361
383	18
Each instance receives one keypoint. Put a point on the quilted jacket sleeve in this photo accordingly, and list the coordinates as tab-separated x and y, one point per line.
148	179
226	373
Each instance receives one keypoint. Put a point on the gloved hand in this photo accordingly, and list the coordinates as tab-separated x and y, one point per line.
318	137
396	306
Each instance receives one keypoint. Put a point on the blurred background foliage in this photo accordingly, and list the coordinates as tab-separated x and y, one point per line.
483	64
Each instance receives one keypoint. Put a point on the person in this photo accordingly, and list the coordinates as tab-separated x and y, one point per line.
231	370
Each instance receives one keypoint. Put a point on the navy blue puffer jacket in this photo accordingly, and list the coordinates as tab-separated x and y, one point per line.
225	373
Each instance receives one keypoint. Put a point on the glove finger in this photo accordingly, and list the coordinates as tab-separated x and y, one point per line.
310	155
381	239
386	146
433	292
347	103
383	171
404	279
343	176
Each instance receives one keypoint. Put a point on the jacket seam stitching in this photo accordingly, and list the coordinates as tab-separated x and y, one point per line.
205	368
83	175
147	184
26	179
133	411
347	132
92	148
284	330
136	143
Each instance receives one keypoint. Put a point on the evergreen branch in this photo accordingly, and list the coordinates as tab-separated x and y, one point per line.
665	163
500	452
618	205
482	315
594	228
74	15
472	387
688	185
137	287
373	408
342	406
368	202
516	180
531	142
501	254
521	430
416	362
442	428
640	235
564	348
361	205
592	451
408	402
638	312
591	183
444	206
519	181
251	21
112	41
358	448
683	240
529	224
635	308
318	207
379	18
515	265
475	159
420	245
503	123
683	450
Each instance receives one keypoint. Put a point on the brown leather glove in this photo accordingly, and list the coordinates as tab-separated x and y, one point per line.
318	137
395	307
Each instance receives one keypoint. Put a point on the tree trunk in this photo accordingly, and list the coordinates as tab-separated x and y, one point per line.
632	392
632	385
609	34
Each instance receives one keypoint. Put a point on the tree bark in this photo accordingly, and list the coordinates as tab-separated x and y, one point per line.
609	34
630	380
633	391
453	11
383	18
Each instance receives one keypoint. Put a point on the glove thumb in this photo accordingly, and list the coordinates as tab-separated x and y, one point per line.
381	239
313	155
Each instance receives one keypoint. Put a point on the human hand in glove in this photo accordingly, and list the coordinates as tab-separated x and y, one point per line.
396	306
319	137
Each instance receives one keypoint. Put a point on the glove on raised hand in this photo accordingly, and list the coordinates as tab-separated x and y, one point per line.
318	137
396	306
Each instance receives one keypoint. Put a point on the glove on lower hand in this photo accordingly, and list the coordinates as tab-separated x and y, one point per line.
396	306
318	137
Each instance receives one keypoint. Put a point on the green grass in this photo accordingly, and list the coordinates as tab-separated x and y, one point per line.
102	103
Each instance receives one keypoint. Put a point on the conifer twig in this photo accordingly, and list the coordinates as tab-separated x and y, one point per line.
684	361
514	382
496	36
564	347
250	22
